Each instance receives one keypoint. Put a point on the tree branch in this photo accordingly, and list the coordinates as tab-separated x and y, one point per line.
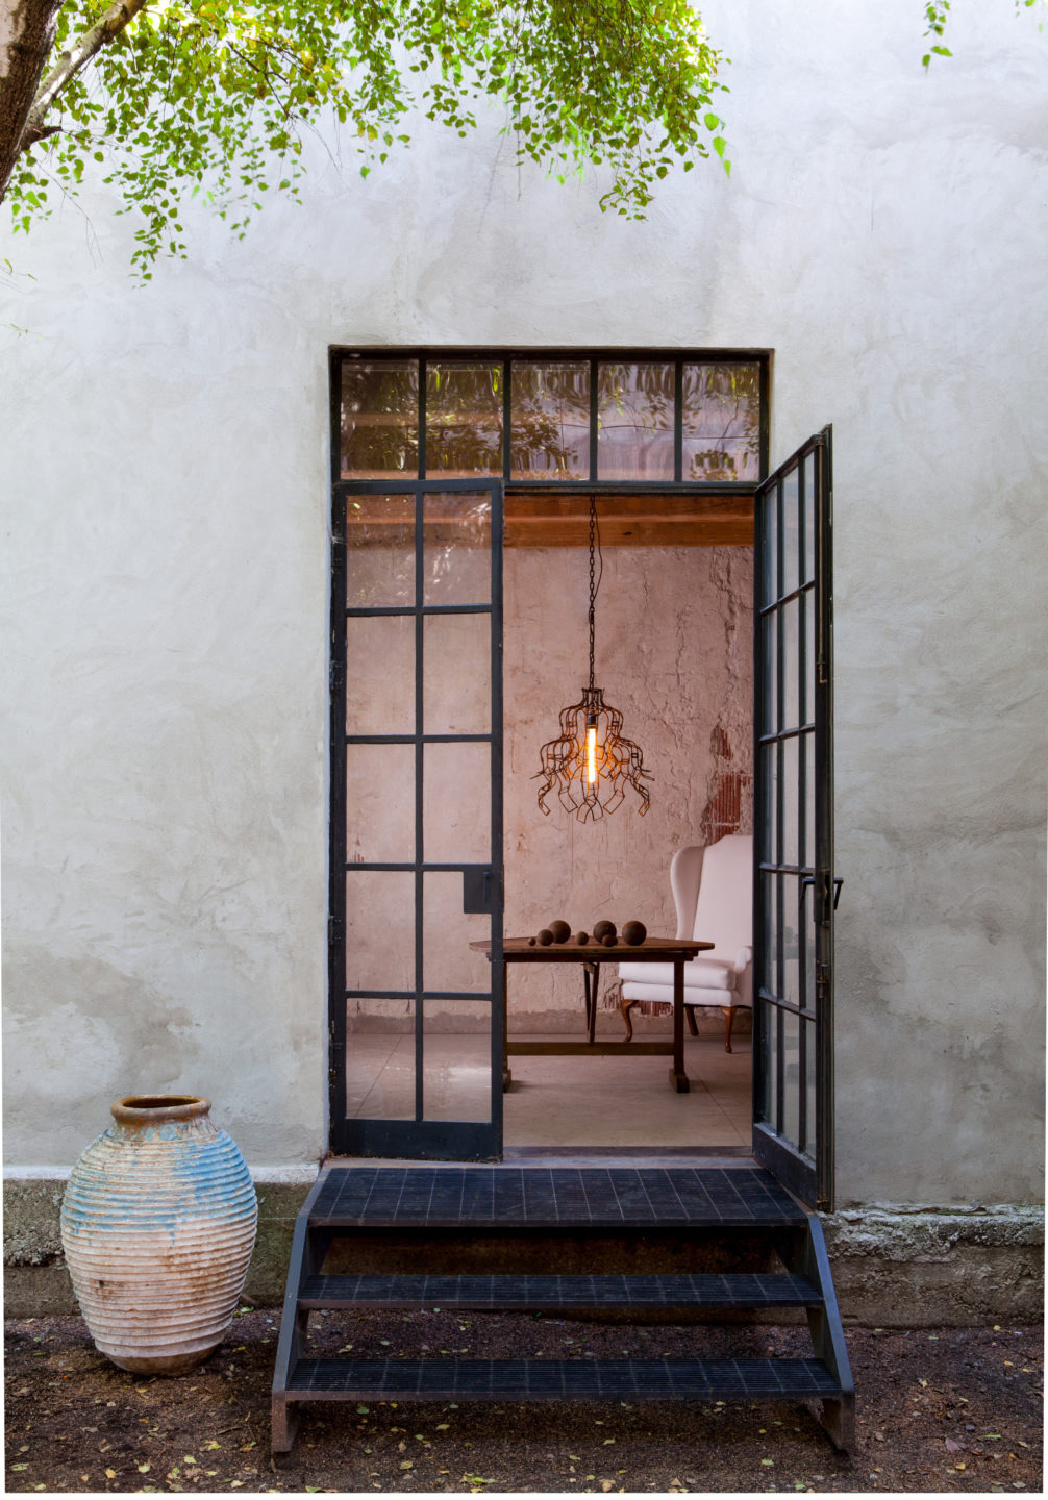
119	15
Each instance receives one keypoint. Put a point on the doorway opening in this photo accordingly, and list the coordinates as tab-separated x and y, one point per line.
462	486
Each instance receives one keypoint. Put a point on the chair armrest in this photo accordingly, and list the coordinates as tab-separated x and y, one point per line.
742	958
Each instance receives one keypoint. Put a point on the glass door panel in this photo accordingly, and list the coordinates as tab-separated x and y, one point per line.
793	845
416	1044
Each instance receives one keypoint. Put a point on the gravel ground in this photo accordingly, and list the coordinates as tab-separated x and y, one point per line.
939	1410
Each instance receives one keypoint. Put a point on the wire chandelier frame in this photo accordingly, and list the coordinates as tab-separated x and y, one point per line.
590	763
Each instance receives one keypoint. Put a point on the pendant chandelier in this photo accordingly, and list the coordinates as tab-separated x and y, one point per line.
590	763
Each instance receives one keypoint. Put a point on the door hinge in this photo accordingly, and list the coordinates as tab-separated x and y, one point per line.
336	931
336	676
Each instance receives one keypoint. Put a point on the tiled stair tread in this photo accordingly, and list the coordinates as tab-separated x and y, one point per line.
546	1197
556	1292
560	1379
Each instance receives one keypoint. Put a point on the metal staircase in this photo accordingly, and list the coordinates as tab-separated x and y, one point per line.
360	1227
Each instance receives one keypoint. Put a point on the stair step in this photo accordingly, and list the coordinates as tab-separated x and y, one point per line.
559	1379
559	1293
510	1198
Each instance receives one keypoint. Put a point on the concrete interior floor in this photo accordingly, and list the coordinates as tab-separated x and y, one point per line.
583	1101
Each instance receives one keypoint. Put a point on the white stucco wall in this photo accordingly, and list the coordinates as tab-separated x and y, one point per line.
164	507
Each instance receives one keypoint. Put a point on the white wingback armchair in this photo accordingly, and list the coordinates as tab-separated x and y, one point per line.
713	892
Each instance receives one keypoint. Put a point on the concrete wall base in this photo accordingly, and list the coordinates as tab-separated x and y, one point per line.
894	1266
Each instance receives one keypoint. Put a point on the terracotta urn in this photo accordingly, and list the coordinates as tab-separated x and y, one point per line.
158	1225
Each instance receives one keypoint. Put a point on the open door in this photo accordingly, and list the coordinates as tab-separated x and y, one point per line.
416	819
794	889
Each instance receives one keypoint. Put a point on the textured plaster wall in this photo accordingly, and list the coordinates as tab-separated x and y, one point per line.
164	462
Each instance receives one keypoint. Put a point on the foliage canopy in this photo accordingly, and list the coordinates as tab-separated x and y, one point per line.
214	96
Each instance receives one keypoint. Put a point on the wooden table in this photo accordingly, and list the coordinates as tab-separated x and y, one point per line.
653	950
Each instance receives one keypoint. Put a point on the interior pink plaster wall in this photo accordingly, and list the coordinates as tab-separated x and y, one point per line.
674	653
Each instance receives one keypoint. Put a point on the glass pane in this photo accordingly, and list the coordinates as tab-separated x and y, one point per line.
765	966
549	419
771	1074
770	673
791	951
456	801
380	1059
456	693
808	929
380	930
380	551
791	538
720	423
464	419
457	536
380	804
456	1068
635	421
380	674
791	706
768	844
790	802
379	418
811	654
809	797
448	961
792	1081
808	470
769	583
811	1132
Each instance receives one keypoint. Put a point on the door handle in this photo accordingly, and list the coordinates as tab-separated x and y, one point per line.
838	881
477	890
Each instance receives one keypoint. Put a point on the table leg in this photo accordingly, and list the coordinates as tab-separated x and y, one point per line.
507	1077
678	1077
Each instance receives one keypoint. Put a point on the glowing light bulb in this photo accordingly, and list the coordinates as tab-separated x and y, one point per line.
591	754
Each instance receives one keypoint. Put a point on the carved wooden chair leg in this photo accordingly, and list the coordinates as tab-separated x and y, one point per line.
729	1017
626	1007
689	1011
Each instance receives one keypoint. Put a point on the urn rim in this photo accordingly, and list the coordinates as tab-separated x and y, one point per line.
158	1109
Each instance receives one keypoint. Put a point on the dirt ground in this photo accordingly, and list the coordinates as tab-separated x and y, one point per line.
943	1410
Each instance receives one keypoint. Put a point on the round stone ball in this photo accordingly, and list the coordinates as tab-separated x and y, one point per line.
582	938
531	942
561	931
609	940
545	937
634	934
602	929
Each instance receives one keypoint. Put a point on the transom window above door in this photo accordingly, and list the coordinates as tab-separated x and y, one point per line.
557	418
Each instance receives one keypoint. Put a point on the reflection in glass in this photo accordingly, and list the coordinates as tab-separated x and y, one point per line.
457	539
811	1130
720	426
463	419
549	419
380	930
769	1051
768	768
380	674
380	551
456	806
456	1068
790	801
809	796
456	690
380	1059
379	419
792	1083
635	405
791	938
380	804
770	695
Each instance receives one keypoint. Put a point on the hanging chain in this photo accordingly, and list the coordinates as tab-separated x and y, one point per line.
592	581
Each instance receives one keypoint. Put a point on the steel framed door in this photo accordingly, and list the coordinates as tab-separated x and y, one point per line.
416	819
794	890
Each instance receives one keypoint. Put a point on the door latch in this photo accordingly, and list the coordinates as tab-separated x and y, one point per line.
477	886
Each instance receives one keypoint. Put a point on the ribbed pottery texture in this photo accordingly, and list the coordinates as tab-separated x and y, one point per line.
158	1225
